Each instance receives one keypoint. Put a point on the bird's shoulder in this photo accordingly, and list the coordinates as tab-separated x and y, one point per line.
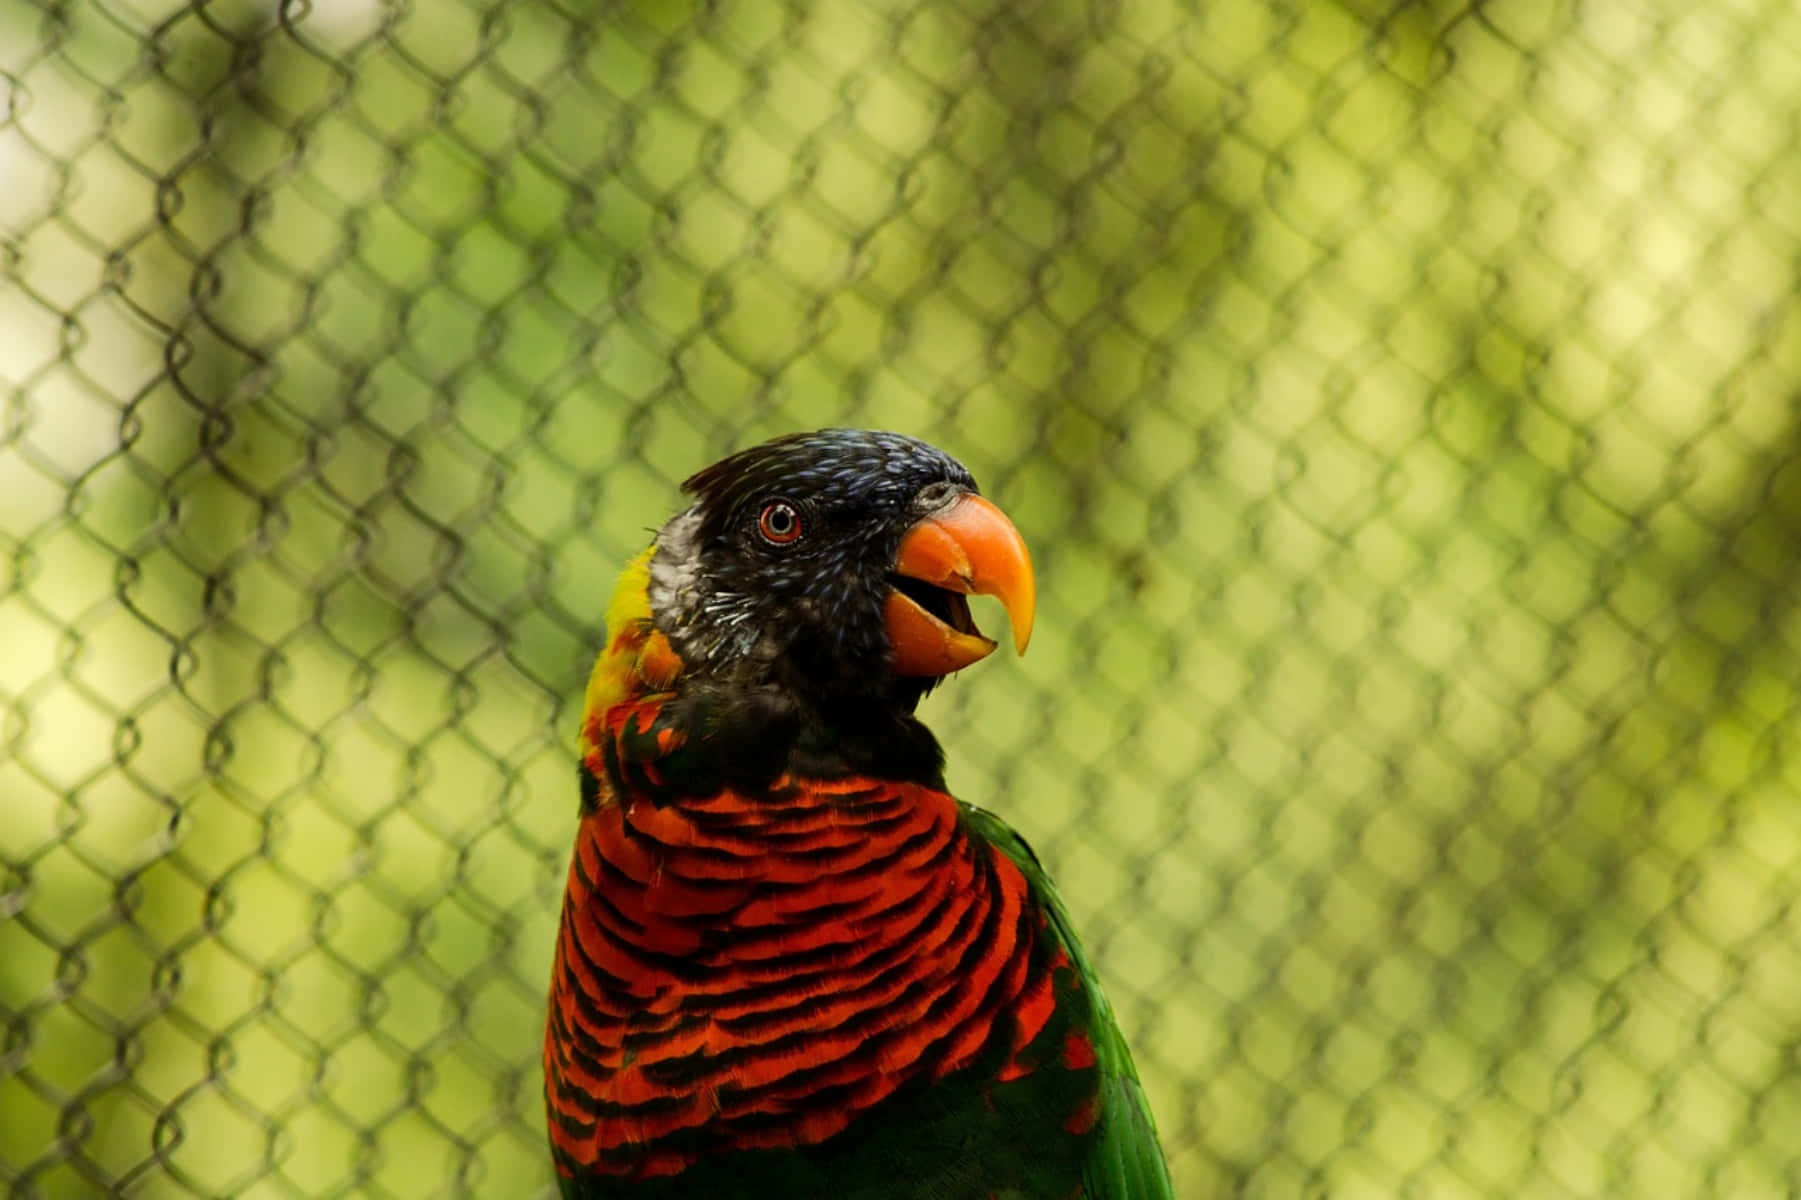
1125	1160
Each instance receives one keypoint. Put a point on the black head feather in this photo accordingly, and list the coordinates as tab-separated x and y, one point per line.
801	616
855	474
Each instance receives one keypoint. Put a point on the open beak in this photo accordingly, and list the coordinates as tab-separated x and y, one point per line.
969	548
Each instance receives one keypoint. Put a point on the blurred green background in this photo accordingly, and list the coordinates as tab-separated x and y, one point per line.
1403	403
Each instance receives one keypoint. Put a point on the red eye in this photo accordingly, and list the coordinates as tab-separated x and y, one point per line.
779	524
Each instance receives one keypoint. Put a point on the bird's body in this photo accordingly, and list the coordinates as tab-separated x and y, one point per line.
790	963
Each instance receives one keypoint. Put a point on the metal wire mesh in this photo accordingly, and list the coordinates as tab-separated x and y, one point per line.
1401	402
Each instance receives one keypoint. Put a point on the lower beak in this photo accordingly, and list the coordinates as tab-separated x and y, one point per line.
968	548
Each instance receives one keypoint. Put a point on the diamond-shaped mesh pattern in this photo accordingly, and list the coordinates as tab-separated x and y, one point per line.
1401	402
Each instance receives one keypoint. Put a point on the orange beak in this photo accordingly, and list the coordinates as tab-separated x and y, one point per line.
967	549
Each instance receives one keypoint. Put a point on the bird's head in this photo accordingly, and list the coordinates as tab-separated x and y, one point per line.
836	565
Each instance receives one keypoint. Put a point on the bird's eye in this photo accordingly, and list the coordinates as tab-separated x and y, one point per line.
779	524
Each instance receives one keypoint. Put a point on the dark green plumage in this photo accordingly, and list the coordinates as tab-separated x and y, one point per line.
1125	1162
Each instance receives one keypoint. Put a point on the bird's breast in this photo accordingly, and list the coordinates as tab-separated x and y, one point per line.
745	971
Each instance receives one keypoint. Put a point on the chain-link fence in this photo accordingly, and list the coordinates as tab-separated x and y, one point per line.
1401	401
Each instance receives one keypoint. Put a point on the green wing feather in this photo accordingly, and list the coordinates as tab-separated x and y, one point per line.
1127	1160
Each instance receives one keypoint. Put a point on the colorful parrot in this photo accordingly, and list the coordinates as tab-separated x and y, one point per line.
790	964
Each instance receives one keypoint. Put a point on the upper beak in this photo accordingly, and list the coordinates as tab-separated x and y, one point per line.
969	548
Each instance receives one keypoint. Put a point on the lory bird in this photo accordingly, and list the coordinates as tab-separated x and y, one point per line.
791	965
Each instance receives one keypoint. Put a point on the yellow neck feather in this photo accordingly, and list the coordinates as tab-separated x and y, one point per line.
638	659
